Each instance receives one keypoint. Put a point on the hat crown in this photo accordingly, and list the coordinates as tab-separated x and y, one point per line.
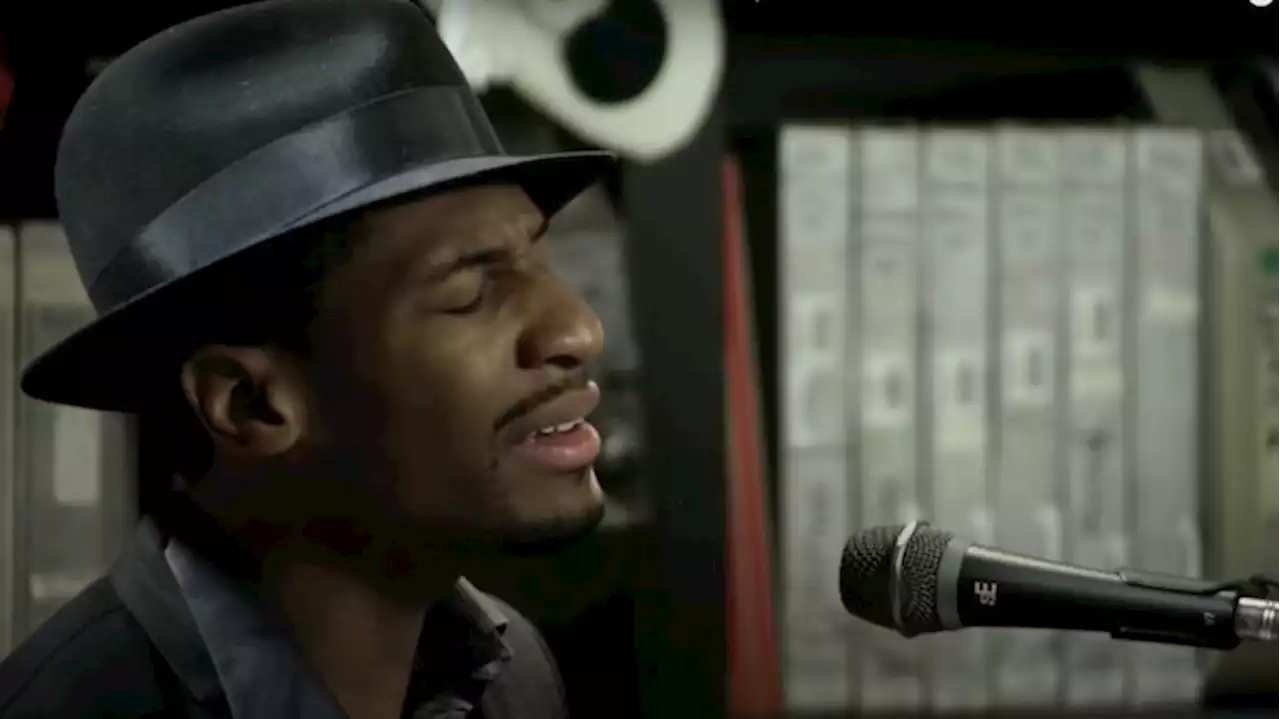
185	104
195	155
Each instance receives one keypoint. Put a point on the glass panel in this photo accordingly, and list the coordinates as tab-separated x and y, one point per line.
74	479
8	387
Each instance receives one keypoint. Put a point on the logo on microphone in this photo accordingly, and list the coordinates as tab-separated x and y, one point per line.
985	592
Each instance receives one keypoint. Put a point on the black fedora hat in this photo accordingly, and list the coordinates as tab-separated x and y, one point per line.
236	129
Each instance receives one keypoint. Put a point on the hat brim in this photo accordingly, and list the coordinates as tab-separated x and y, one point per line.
114	362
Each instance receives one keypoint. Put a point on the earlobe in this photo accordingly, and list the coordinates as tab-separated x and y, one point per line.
250	400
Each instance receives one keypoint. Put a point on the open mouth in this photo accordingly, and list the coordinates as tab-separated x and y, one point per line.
555	429
562	439
564	447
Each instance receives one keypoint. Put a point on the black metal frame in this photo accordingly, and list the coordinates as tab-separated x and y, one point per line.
675	239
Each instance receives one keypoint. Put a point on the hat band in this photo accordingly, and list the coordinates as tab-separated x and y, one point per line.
289	180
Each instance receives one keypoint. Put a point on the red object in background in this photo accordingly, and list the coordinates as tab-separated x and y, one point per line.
754	680
6	81
6	89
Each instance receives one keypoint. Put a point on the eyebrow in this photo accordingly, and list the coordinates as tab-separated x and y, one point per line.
436	271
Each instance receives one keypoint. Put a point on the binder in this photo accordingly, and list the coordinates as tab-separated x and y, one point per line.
887	248
1094	231
1166	530
1030	287
955	201
815	168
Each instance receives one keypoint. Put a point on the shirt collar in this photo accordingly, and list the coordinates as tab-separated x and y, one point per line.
477	607
258	667
181	599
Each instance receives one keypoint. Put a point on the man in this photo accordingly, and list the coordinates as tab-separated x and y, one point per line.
309	254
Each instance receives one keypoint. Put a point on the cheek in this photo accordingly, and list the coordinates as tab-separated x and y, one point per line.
444	408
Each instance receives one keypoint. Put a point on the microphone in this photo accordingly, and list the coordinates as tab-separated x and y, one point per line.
917	580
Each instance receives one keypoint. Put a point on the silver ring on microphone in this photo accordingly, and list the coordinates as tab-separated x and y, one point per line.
895	583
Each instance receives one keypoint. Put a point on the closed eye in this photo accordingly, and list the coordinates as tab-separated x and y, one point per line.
472	275
477	297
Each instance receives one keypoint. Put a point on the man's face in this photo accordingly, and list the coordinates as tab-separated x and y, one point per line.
451	372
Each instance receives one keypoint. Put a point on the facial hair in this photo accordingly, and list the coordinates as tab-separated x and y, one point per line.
552	536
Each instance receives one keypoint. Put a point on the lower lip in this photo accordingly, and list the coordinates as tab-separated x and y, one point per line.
561	451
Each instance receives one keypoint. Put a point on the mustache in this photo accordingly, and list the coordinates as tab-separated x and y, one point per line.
575	381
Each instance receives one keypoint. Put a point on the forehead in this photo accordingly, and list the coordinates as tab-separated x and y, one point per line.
410	239
456	216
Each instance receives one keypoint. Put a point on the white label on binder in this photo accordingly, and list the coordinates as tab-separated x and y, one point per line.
960	400
890	150
1097	383
889	160
815	323
960	438
1095	322
1094	156
815	214
956	157
814	149
77	460
1170	306
888	396
815	387
958	383
1028	368
1028	157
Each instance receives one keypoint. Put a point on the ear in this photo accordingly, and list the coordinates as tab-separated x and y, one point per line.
252	401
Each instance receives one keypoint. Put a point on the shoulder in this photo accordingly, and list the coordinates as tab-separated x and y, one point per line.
528	648
530	685
89	659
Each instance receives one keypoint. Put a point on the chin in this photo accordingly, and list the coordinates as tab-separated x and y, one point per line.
551	534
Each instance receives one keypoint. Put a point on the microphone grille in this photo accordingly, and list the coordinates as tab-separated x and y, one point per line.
867	580
866	572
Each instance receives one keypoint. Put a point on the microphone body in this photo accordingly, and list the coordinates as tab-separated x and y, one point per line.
999	589
926	581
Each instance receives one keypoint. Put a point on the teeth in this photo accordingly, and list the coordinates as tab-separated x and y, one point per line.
557	428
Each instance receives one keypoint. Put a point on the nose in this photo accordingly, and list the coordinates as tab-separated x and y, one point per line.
563	331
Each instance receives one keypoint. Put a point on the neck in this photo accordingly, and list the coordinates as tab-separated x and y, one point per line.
360	638
354	605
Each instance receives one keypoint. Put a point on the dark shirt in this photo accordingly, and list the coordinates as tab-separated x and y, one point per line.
169	633
264	677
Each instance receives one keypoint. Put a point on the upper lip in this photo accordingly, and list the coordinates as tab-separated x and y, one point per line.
570	406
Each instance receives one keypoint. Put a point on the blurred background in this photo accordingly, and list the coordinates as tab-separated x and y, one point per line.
1010	268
